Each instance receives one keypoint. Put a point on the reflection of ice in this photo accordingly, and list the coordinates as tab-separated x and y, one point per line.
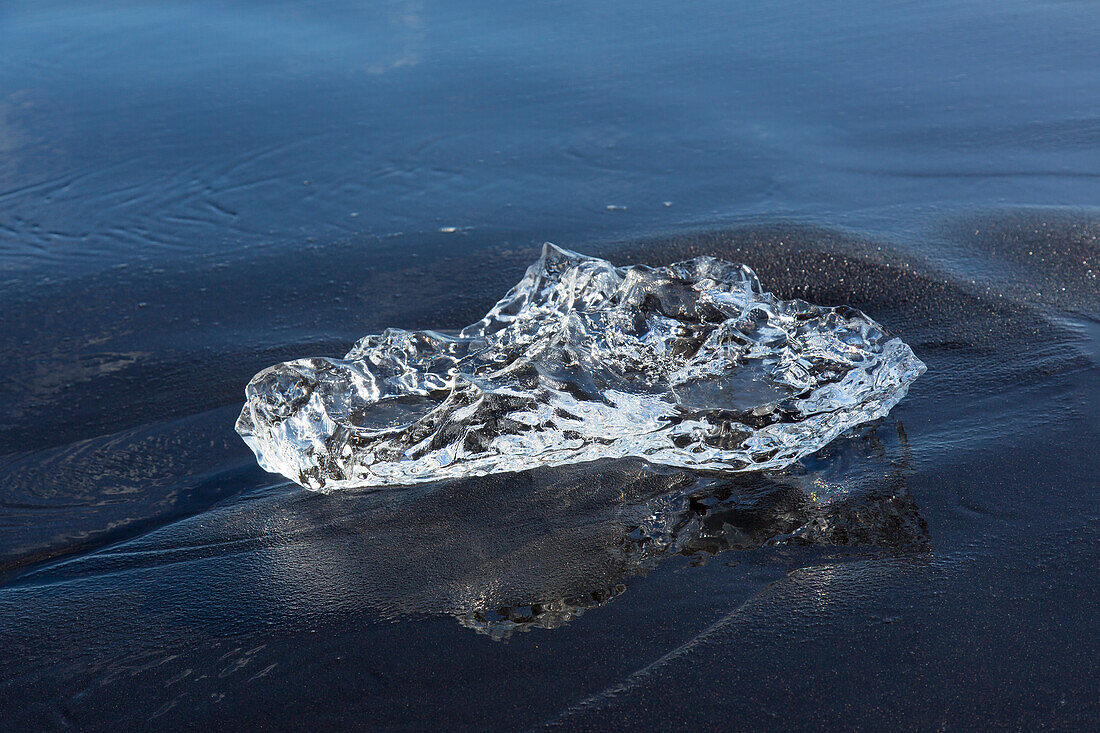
690	365
536	549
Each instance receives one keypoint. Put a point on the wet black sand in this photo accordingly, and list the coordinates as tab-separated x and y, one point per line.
192	192
934	568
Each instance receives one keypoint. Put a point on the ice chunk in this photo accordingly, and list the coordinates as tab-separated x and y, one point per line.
690	365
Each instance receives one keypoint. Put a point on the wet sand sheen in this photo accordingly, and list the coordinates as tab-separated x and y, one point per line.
577	553
192	192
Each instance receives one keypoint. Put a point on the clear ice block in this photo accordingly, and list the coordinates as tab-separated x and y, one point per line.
690	365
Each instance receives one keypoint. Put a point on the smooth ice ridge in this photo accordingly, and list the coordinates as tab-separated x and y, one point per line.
690	365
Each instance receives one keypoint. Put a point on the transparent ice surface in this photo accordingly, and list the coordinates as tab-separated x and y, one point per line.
690	365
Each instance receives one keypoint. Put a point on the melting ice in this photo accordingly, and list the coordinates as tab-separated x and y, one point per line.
690	365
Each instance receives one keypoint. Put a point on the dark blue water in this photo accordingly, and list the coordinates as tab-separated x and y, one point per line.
190	192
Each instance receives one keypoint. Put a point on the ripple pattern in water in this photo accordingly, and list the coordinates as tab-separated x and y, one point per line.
690	365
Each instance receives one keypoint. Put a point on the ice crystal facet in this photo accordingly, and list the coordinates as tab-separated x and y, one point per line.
689	365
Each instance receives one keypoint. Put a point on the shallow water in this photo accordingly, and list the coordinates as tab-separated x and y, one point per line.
191	192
